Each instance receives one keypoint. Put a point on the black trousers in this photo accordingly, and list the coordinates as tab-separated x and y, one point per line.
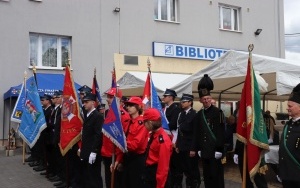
213	173
189	166
107	161
175	174
290	184
91	174
134	165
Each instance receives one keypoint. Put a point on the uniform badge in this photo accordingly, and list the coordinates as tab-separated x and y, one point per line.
122	112
161	139
140	122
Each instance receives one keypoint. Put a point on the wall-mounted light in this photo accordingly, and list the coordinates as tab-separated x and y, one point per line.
258	31
117	9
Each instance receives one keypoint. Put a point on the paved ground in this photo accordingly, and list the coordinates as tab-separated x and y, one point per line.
13	174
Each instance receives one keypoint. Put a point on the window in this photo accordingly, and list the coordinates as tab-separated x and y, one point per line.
131	60
49	50
165	10
229	18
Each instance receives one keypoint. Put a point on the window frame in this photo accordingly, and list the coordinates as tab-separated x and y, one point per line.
39	50
234	22
158	17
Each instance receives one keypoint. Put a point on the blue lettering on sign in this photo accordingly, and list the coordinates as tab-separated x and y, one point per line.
185	51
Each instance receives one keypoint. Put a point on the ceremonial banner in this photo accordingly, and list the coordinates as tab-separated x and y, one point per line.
33	119
251	128
96	90
18	109
151	100
112	127
71	122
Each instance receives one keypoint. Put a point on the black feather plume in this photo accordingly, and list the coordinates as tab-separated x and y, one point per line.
206	83
297	88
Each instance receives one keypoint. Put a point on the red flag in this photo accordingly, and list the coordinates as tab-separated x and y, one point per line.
251	128
147	92
71	121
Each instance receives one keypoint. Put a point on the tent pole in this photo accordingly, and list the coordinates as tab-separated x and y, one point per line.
3	123
219	105
264	98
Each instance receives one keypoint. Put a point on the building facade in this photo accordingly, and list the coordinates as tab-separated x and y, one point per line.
177	36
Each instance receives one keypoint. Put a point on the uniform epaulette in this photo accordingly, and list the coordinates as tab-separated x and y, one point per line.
140	122
161	139
122	112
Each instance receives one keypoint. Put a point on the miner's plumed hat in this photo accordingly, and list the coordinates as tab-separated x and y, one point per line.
295	95
186	97
85	89
170	92
205	86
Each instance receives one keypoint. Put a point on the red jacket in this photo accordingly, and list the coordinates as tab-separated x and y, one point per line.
159	153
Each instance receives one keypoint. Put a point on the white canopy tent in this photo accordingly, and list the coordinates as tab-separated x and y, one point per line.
228	74
132	83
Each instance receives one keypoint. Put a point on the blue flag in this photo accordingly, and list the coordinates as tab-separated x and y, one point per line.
33	119
156	104
151	100
18	109
112	127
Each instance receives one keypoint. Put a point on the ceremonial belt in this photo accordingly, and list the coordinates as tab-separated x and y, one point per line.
208	127
286	148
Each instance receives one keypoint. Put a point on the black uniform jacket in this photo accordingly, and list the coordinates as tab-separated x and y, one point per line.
289	170
91	135
185	130
172	114
203	139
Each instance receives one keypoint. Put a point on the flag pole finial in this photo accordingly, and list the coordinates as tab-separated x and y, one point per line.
250	47
148	64
95	71
33	67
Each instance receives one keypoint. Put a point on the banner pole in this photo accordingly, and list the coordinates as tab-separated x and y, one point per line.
244	166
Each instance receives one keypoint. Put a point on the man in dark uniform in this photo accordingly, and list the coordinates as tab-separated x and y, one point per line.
188	163
171	111
82	92
209	137
289	148
91	144
41	144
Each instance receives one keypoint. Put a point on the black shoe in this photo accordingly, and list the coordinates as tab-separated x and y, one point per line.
56	179
39	168
63	185
58	183
32	164
29	159
43	173
53	177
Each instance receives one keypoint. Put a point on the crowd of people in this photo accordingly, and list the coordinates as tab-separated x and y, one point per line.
157	158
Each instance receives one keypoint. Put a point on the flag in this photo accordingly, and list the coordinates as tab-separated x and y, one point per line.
18	109
96	90
113	80
151	100
112	127
33	119
71	121
251	128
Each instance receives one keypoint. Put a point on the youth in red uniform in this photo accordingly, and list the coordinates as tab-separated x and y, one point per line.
158	152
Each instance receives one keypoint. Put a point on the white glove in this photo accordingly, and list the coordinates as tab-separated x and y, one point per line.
236	159
218	155
270	141
92	158
199	153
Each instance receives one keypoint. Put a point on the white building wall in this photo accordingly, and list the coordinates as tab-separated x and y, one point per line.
98	33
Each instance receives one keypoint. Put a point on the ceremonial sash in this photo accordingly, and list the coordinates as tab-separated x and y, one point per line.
286	148
208	127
